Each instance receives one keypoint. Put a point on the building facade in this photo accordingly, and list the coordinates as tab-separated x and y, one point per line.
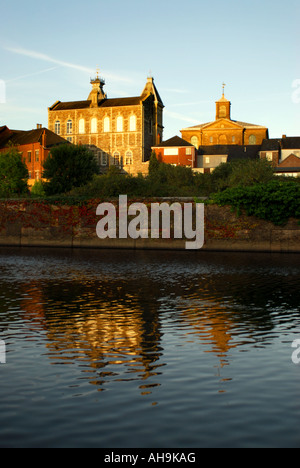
176	151
284	153
33	145
121	131
224	130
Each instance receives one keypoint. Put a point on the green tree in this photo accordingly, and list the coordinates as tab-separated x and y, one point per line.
68	166
13	174
153	164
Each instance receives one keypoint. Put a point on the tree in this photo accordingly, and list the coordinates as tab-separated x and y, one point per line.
153	164
68	166
13	174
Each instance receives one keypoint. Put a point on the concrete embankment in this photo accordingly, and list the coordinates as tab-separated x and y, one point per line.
38	224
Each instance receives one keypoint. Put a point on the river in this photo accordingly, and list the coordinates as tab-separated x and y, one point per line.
148	349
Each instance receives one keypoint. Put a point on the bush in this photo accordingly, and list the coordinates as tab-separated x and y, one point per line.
275	201
38	189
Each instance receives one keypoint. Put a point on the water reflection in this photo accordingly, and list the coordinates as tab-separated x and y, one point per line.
108	312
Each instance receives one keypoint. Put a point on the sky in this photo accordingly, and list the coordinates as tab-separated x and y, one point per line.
50	50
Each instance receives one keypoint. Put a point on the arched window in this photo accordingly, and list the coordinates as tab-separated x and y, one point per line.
57	127
132	123
252	140
222	112
195	141
106	124
94	125
119	124
69	127
81	126
128	158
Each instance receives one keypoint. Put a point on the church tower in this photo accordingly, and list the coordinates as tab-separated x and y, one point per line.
223	107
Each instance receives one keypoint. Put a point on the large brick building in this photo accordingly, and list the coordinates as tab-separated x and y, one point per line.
121	131
224	130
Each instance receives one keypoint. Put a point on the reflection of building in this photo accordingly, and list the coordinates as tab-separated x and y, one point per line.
224	130
122	129
284	153
34	146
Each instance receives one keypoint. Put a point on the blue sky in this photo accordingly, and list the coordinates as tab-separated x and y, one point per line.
49	51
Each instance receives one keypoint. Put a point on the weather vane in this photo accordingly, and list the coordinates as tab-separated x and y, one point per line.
223	86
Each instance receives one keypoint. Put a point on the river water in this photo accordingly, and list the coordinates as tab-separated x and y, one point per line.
149	349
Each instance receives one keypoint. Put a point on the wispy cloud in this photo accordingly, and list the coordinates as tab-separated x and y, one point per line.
46	58
183	118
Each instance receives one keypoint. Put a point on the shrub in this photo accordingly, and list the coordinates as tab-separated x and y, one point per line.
275	201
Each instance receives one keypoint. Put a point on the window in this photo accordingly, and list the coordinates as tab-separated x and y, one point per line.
94	125
252	140
116	159
37	175
207	160
104	159
222	112
106	125
171	152
69	127
233	139
269	156
29	156
211	140
129	158
70	139
57	127
189	151
37	155
29	174
195	141
81	126
132	123
119	124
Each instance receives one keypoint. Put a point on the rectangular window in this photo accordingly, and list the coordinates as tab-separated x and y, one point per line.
207	160
37	155
29	156
104	159
269	156
189	151
171	151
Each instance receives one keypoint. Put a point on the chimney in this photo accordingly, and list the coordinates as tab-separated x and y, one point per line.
38	126
283	136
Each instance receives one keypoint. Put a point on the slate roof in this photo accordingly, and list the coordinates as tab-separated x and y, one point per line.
22	137
234	152
271	144
175	141
114	102
290	143
287	169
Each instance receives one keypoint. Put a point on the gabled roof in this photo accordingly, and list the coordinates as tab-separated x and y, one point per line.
173	142
21	137
237	122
